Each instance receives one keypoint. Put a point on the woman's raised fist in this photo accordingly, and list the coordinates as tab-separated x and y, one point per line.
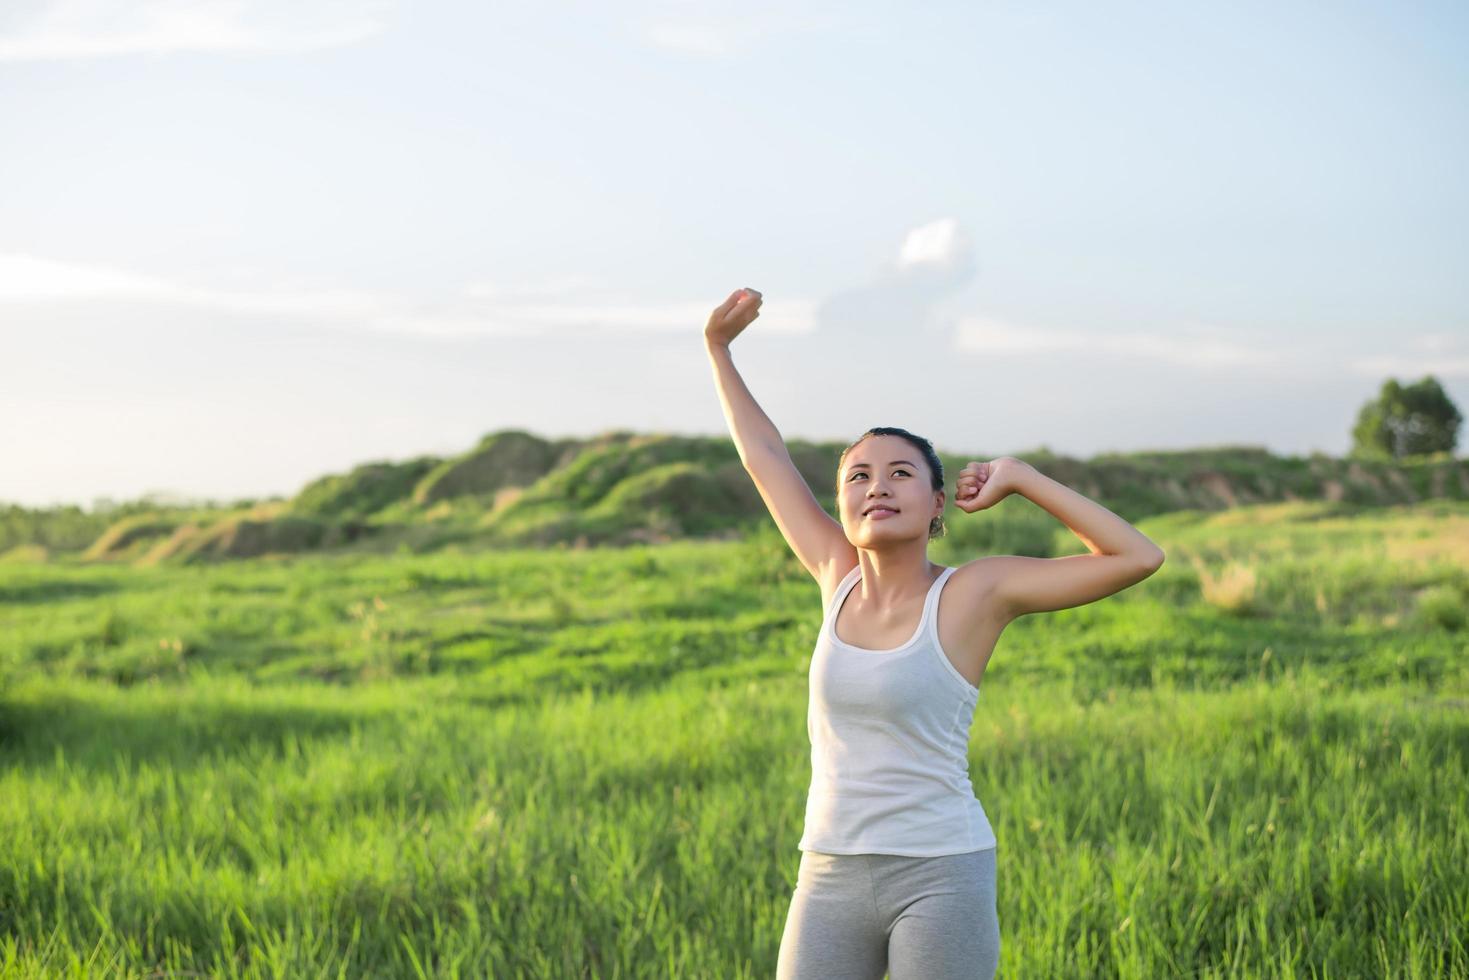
733	315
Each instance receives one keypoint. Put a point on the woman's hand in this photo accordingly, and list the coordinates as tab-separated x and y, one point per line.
733	315
982	485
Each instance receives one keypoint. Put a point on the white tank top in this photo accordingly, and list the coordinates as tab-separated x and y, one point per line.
889	736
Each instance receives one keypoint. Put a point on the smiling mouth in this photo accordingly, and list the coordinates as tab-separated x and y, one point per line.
880	510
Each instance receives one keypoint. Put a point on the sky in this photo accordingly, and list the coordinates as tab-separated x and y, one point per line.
245	243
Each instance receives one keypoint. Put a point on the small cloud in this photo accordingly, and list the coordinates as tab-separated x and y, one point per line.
1441	354
934	261
69	29
481	310
558	286
708	29
988	335
698	40
1437	343
1410	366
1191	347
937	245
24	278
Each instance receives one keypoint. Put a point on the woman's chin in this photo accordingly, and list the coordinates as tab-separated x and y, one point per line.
885	530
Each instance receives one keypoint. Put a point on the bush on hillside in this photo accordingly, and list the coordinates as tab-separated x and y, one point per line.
249	536
591	477
508	458
689	498
130	535
364	490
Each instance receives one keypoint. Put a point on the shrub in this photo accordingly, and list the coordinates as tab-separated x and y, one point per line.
1442	605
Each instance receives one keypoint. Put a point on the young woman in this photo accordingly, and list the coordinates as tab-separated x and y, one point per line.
897	870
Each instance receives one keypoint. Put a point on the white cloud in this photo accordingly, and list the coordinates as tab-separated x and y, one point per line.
1443	354
557	286
984	335
1439	343
941	244
1440	354
910	293
26	278
713	29
480	310
699	40
1410	367
64	29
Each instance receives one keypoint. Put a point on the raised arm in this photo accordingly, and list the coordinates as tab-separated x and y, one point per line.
814	536
1121	555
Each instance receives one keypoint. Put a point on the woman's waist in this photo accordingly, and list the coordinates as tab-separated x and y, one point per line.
887	783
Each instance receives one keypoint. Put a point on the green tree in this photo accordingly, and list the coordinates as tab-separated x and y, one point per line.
1407	420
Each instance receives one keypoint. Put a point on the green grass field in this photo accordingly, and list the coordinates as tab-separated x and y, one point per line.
593	763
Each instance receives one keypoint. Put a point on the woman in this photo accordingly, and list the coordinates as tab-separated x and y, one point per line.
897	868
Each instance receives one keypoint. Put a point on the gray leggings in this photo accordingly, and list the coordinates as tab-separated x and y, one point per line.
858	916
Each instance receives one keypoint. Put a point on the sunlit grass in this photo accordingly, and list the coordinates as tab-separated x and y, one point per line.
561	763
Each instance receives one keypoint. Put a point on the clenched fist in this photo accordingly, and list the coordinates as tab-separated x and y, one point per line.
733	315
982	485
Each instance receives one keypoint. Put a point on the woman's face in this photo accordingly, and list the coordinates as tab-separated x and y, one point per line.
890	472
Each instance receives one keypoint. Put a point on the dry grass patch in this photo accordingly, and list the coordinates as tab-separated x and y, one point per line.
1233	588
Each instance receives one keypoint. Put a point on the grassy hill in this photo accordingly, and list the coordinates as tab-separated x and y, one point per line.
515	489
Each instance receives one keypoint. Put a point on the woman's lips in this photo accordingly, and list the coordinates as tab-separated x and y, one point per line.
878	515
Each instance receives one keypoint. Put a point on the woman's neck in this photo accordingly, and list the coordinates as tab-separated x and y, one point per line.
892	578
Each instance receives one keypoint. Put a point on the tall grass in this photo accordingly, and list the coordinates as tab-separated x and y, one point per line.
567	764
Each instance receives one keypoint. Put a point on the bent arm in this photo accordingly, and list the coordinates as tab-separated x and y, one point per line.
1103	532
1121	555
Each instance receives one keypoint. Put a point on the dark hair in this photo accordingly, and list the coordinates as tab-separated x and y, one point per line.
935	466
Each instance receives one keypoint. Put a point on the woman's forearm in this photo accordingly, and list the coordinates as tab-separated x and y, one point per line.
750	427
1102	531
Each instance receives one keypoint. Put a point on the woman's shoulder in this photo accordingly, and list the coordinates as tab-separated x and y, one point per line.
973	583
